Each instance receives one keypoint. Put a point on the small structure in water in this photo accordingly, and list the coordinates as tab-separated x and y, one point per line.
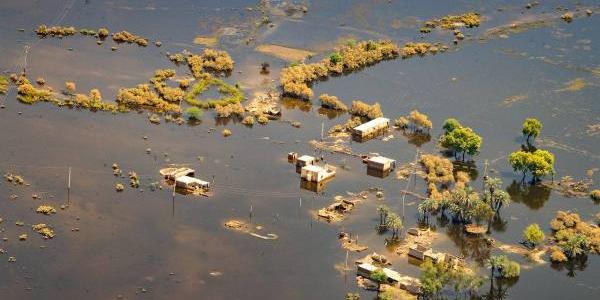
370	129
292	157
410	284
316	173
304	160
188	182
173	173
381	163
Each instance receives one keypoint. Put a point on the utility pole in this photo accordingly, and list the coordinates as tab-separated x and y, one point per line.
408	184
69	188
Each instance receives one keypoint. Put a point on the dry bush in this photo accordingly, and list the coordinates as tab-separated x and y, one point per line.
55	31
232	109
332	102
128	37
363	109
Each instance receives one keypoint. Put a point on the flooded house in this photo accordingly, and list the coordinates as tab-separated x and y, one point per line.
172	173
410	284
380	163
370	129
304	160
188	182
316	173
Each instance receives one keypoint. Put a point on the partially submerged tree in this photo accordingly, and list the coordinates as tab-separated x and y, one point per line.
460	139
501	266
379	276
494	195
533	235
539	163
383	211
531	128
394	222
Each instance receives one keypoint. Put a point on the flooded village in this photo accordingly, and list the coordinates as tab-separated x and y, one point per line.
267	149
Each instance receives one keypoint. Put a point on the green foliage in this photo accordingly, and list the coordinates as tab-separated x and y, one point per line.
335	58
432	281
386	295
460	139
231	94
379	276
394	222
383	211
533	235
505	268
539	162
194	113
493	195
450	124
575	245
532	128
351	42
371	46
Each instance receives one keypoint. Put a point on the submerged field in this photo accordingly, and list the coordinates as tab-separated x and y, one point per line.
521	61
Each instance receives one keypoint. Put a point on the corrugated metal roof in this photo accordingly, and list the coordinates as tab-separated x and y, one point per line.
373	123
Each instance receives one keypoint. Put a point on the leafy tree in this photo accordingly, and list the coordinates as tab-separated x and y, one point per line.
431	279
428	206
335	58
462	140
450	124
531	128
539	163
533	235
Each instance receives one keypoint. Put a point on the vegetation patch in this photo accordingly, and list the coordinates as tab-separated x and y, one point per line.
130	38
365	110
46	210
46	231
574	236
460	139
29	94
3	84
231	94
332	102
232	109
295	79
451	22
55	31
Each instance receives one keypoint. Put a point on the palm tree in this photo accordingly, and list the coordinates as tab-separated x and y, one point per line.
384	211
495	262
428	206
395	223
575	245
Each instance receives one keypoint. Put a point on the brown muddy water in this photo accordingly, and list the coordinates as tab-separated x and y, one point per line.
144	244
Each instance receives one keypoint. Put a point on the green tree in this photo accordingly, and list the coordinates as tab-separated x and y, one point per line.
531	128
501	266
428	206
431	278
539	163
511	269
462	140
194	113
533	235
450	124
386	295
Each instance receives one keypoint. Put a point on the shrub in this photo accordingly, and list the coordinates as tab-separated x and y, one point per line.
533	235
379	276
362	109
194	113
226	132
335	58
248	121
595	195
332	102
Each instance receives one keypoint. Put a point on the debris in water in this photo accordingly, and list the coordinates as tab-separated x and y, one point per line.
574	85
43	229
46	209
119	187
23	237
15	179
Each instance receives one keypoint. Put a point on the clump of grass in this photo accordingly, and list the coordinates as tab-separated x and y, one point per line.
194	113
262	119
595	195
29	94
332	102
144	96
226	132
103	33
46	210
209	60
451	22
169	94
46	231
70	87
92	101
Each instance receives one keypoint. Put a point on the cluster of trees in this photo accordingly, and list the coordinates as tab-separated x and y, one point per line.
465	205
460	139
416	121
573	236
332	102
389	220
537	162
438	277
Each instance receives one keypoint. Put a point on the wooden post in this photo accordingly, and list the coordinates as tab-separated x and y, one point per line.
322	129
69	188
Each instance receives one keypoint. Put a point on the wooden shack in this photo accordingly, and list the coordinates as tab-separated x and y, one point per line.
316	173
370	129
305	160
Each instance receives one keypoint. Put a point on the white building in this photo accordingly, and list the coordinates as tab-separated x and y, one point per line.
371	128
187	182
316	173
381	163
305	160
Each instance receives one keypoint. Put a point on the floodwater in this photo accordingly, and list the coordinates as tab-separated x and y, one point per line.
147	244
